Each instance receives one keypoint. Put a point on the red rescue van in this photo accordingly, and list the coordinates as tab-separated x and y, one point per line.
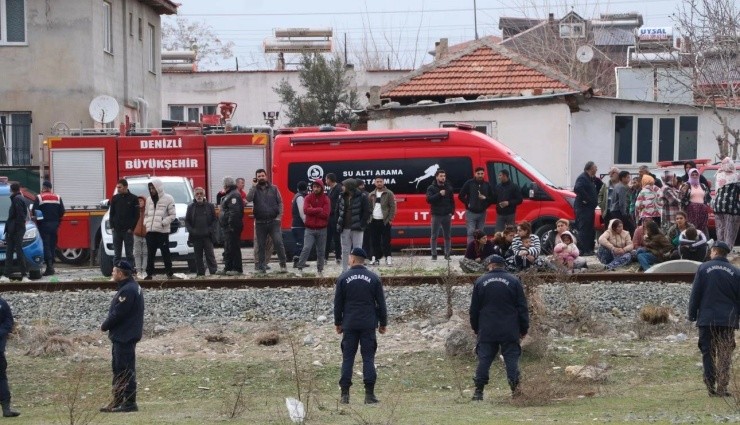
408	159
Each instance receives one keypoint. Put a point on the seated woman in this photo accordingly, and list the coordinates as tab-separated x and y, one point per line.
615	246
692	245
657	247
478	250
526	249
566	252
553	238
638	239
502	242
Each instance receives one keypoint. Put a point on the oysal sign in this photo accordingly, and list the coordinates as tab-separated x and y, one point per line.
655	33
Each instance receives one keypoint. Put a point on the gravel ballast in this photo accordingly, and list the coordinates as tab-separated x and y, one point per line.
171	308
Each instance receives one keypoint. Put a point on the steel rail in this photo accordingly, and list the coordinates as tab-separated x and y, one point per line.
309	282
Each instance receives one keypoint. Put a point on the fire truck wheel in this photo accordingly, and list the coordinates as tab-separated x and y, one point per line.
74	256
105	260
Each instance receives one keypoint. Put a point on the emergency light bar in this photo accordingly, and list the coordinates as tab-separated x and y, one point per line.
349	138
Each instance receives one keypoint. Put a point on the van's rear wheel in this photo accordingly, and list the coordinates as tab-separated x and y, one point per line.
543	231
74	256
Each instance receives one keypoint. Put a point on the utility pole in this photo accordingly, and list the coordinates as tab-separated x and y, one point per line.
475	19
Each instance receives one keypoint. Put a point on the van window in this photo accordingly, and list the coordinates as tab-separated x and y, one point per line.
402	176
516	176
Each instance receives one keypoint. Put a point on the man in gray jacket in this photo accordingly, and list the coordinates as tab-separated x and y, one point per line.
268	210
159	214
619	203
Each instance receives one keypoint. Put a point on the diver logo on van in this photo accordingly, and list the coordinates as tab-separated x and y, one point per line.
315	172
429	172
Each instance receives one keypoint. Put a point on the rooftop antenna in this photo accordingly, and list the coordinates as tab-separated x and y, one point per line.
475	19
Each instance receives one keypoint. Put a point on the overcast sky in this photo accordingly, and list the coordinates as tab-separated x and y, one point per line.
400	32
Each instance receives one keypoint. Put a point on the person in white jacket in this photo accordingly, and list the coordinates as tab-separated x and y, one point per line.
159	214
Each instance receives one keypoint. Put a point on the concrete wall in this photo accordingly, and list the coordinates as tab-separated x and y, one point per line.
63	66
539	133
251	90
593	128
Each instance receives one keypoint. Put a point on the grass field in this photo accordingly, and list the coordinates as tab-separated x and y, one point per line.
647	381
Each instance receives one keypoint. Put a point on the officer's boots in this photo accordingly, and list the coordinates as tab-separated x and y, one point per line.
515	391
345	395
478	394
370	394
7	411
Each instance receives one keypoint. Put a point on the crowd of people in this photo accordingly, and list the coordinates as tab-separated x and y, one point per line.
647	220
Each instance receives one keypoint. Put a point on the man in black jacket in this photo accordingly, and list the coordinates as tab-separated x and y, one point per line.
353	213
714	305
476	194
359	308
441	199
268	211
15	228
507	196
333	239
232	213
199	220
124	214
6	327
125	325
585	208
500	319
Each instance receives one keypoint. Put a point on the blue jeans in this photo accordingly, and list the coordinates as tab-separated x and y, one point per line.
645	258
443	222
487	351
365	338
474	221
311	238
298	234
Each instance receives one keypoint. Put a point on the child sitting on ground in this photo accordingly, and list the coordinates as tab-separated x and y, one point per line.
566	252
692	244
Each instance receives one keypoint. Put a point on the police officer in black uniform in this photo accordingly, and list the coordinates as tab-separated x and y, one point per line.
52	208
6	326
125	325
499	317
714	305
232	212
15	228
359	306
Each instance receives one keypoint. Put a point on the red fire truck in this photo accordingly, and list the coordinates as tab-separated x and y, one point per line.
86	165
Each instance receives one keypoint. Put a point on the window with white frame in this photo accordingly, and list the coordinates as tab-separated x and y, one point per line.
645	139
15	138
12	22
107	27
152	50
190	113
485	127
572	30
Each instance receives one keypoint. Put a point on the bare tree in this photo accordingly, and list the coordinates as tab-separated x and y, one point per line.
182	34
710	63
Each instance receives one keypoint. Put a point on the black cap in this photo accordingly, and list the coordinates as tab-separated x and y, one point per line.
358	252
46	184
722	245
494	259
124	265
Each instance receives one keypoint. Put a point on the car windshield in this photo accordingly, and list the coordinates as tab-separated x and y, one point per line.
4	207
177	190
533	171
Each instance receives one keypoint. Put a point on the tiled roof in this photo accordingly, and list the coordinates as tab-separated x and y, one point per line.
483	68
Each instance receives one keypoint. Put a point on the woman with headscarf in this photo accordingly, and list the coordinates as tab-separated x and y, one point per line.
725	202
649	202
694	197
671	200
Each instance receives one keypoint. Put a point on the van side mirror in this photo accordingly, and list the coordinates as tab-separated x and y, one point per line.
38	214
104	204
532	190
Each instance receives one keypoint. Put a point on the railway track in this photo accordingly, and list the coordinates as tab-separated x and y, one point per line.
286	281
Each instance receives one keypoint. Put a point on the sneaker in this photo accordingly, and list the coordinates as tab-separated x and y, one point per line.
148	277
320	274
232	273
299	272
295	262
25	279
267	267
388	261
376	263
260	271
4	279
283	269
434	258
48	272
221	272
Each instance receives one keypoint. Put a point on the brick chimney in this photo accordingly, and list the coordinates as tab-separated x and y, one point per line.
440	48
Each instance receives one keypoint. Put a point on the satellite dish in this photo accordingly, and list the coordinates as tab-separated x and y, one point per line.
104	109
585	54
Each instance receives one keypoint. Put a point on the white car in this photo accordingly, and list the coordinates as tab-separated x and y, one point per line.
181	190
